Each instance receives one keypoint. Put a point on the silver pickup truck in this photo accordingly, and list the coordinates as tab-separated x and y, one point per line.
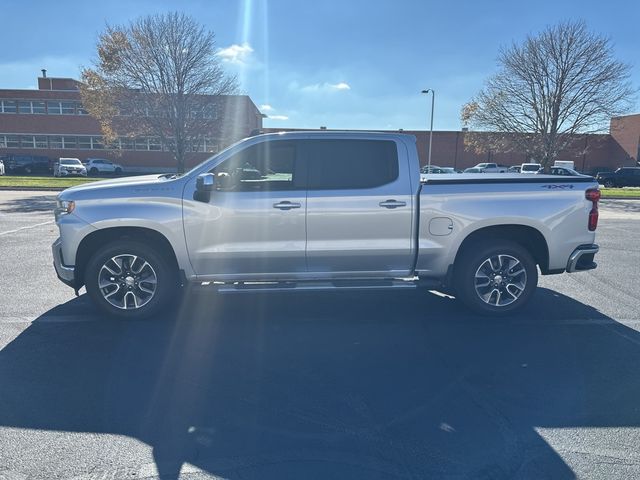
322	210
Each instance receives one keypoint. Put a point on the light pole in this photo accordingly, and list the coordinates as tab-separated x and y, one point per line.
433	98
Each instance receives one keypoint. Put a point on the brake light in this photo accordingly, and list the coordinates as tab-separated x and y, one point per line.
593	195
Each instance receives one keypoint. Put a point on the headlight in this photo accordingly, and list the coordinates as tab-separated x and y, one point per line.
64	206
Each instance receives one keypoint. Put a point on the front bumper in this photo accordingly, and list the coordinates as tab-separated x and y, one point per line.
65	273
582	258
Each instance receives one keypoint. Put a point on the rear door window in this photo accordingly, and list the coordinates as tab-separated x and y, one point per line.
350	164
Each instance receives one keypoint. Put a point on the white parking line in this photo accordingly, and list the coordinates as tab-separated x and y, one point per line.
26	228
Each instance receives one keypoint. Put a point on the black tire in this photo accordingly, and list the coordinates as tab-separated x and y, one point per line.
166	276
497	298
609	183
118	171
93	171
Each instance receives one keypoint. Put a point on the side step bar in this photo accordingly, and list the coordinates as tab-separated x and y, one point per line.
313	286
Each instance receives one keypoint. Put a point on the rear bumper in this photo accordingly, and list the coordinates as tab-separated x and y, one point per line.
65	274
582	258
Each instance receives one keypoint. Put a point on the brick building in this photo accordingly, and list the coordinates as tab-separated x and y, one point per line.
50	121
589	152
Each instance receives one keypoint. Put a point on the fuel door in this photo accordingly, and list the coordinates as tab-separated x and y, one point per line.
440	226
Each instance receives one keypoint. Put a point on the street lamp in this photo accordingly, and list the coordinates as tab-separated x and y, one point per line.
433	97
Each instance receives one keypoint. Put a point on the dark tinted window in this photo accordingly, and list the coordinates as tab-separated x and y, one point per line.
347	164
265	166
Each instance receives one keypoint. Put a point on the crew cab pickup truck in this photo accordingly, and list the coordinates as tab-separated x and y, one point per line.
320	211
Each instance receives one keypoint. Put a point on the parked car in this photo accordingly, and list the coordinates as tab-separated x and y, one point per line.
514	169
1	167
434	169
27	164
530	168
622	177
564	171
491	168
69	166
95	166
373	226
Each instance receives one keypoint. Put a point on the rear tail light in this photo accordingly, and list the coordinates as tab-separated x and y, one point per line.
593	195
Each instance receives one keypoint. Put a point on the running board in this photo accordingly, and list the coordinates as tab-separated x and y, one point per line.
313	286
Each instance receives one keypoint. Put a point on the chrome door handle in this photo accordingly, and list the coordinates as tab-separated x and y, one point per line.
286	205
392	204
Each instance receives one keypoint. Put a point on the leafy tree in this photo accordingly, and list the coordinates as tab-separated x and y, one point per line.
561	82
157	76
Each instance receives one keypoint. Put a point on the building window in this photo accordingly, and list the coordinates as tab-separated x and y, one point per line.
26	141
84	143
127	143
210	145
68	108
69	142
12	141
97	143
142	144
56	142
155	144
8	106
54	108
40	141
38	107
24	107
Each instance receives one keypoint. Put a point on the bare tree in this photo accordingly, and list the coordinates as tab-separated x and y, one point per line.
158	76
561	82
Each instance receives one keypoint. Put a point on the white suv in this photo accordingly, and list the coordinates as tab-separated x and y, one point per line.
530	168
69	166
1	167
100	165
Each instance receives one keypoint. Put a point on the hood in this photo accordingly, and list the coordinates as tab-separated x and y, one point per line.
104	187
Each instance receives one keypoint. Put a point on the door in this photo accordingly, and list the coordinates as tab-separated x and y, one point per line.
253	226
359	209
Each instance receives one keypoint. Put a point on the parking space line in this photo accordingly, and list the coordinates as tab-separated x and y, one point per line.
26	228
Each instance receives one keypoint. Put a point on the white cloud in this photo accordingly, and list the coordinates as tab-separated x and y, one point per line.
325	87
266	108
341	86
236	54
278	117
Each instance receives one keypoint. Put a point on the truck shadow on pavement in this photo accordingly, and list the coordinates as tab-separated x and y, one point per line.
38	203
383	385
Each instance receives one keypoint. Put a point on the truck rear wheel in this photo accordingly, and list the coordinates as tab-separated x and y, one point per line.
130	280
495	278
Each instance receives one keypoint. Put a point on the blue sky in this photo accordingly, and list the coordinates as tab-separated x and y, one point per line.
341	64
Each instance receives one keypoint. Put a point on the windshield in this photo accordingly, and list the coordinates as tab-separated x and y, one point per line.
531	167
70	161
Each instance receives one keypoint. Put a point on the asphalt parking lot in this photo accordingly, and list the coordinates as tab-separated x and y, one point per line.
393	385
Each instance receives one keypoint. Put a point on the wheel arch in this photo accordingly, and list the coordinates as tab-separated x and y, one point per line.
528	237
98	238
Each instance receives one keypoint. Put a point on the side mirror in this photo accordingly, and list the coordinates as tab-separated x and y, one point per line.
204	186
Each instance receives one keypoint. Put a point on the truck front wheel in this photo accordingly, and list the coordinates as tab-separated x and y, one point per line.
129	280
495	277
